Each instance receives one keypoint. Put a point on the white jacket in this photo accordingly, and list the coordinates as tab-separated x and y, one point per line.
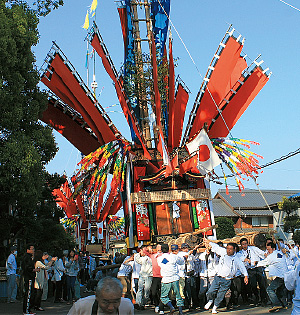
146	265
168	267
229	266
276	264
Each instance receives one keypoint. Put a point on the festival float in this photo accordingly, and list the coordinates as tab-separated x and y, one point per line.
160	177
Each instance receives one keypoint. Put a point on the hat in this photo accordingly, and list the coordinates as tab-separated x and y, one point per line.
291	242
174	247
185	245
13	248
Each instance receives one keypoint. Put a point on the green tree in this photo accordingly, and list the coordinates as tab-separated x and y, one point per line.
296	236
288	205
26	145
291	223
225	228
40	7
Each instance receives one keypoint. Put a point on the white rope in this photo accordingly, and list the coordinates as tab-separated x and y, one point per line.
69	159
289	5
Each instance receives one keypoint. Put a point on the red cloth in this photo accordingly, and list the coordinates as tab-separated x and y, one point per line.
182	97
66	86
217	87
155	266
155	84
171	96
70	129
239	103
123	20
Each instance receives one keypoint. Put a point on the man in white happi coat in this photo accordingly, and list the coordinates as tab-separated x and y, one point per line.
228	267
277	267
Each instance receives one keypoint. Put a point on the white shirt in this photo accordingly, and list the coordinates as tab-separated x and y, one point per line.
136	268
168	267
294	254
253	253
276	264
181	268
208	269
228	266
146	265
125	269
296	299
84	306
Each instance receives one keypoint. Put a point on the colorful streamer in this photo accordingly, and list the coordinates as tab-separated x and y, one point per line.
242	162
95	167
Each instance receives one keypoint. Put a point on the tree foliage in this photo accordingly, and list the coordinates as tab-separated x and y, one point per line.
291	223
40	7
288	205
225	228
296	237
27	209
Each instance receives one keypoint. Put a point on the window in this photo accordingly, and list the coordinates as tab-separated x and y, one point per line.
260	221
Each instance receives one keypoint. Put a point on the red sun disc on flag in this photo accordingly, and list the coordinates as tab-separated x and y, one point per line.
204	153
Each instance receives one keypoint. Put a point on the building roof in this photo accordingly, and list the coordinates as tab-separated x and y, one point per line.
255	229
295	196
254	212
252	199
221	209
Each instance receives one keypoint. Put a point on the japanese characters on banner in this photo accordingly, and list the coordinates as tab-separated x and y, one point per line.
89	235
82	234
203	215
143	222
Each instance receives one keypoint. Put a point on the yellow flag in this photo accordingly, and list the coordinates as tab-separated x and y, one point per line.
86	22
94	5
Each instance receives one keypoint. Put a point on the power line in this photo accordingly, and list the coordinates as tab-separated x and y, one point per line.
282	158
289	5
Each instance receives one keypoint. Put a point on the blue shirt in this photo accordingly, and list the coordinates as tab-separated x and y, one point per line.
296	299
11	265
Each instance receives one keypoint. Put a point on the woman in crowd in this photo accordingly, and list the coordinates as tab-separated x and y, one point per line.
72	269
58	270
41	277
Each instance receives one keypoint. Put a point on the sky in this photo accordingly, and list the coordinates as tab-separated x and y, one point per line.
270	27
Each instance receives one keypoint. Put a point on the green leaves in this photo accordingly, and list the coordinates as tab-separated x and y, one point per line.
291	223
288	205
26	145
225	228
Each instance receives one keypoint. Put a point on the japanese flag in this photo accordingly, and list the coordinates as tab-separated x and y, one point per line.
208	158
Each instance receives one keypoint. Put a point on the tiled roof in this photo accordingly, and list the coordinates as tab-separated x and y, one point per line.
221	209
257	229
251	199
254	212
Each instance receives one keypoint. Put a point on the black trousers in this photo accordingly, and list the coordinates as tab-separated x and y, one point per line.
58	291
29	295
256	276
190	292
238	288
155	290
38	298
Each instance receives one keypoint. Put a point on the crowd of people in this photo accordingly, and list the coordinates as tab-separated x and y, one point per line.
209	275
45	276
